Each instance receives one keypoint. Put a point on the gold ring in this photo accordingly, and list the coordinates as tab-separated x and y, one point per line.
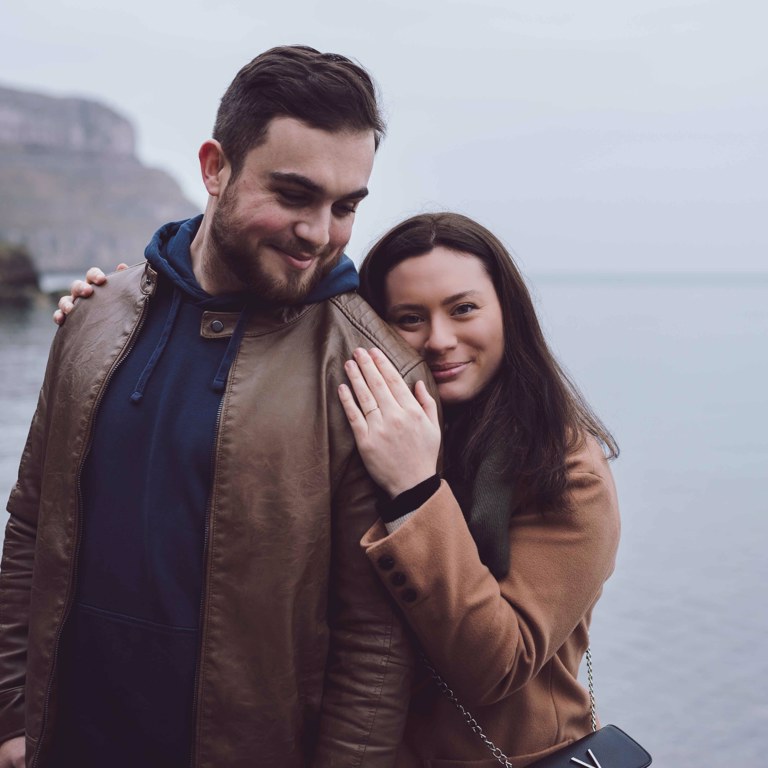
375	408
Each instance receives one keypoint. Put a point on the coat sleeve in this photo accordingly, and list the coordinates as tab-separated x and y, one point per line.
488	638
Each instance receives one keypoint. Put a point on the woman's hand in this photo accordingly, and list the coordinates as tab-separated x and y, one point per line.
397	433
12	753
81	289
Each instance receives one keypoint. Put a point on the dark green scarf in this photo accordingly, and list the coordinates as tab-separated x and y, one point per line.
488	501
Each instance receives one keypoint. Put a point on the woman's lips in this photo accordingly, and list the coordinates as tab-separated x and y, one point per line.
447	371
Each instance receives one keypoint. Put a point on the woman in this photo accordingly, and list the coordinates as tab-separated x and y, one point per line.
498	566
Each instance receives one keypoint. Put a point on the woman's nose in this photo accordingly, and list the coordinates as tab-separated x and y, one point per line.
441	337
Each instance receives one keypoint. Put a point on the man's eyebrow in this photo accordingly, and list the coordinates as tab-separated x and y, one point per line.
314	187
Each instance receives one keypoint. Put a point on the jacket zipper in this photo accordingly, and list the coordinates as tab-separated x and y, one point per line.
78	522
206	532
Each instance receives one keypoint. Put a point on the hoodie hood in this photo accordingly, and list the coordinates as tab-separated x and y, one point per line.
168	253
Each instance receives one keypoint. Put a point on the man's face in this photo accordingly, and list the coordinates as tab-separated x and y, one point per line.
281	224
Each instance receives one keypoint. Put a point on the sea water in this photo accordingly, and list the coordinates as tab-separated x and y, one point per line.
677	368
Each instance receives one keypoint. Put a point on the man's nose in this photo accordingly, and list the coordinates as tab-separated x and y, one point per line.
315	228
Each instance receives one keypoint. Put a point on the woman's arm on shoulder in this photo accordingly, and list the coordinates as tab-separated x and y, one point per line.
489	638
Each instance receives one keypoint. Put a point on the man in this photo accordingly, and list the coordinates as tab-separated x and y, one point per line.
182	582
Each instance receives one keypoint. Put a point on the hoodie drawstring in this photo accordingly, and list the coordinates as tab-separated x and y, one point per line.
220	380
141	384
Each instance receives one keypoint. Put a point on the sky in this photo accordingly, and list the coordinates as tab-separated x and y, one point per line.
606	136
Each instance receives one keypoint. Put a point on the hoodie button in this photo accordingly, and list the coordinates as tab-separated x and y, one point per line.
217	326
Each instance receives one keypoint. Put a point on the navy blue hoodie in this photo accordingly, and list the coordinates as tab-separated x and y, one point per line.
129	651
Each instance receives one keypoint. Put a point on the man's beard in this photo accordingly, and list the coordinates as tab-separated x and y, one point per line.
230	253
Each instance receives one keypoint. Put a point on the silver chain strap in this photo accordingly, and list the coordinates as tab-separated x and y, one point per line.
591	687
475	726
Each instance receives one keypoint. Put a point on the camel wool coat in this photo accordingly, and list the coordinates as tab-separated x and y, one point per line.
509	649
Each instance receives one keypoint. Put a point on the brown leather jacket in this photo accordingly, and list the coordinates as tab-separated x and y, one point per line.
303	660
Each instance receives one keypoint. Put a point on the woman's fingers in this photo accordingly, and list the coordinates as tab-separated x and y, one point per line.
366	399
95	276
384	380
354	414
378	387
427	402
78	289
399	444
395	382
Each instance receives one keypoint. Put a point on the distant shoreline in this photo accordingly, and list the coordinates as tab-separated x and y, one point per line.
757	279
61	281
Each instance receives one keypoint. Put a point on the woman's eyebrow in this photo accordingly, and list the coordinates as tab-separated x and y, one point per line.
458	297
401	307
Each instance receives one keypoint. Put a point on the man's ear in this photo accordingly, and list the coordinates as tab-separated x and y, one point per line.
214	167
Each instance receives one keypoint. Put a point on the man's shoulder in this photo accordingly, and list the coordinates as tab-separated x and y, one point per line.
355	312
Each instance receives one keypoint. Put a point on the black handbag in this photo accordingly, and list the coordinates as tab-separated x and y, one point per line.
606	747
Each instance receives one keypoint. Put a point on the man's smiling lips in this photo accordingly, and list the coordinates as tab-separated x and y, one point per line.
443	372
296	260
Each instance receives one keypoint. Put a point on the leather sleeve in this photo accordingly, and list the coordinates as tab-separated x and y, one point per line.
489	638
57	432
15	584
369	667
16	570
370	661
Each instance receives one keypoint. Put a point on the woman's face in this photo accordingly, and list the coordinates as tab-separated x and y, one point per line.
445	306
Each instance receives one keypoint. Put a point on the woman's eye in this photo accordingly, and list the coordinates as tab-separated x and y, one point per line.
464	309
406	320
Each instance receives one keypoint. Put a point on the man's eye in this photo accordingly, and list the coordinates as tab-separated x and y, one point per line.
293	198
345	210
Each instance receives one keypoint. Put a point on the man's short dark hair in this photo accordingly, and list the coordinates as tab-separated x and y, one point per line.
323	90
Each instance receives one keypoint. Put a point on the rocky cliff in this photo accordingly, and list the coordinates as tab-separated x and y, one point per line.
18	277
72	190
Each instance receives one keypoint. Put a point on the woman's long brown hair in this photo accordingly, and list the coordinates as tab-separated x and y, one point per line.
531	407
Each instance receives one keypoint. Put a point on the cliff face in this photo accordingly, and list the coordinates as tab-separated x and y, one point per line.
71	188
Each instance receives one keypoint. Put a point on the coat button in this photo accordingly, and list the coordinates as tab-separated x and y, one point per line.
386	562
409	595
398	579
217	326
